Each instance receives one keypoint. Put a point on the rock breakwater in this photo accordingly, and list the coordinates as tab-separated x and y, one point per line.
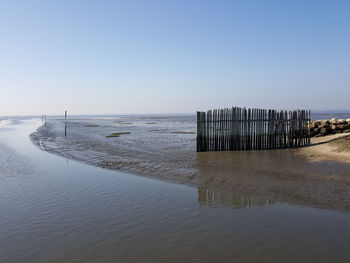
321	128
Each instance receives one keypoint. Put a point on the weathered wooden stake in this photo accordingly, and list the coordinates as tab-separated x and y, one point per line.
65	124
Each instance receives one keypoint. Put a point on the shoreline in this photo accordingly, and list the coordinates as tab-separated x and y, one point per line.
278	175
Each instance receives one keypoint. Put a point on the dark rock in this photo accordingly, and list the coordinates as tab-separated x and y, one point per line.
324	131
341	127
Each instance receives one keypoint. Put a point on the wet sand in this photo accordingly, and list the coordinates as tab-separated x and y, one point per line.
168	153
278	175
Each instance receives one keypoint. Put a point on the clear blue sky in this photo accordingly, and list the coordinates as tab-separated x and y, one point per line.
110	57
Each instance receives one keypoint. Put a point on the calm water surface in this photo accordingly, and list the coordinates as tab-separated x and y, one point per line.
57	210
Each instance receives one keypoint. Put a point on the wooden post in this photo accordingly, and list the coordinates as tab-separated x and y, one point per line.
65	124
199	142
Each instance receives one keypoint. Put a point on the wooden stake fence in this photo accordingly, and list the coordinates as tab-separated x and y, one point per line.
238	129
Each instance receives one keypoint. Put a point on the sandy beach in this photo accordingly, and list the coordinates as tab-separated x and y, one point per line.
317	176
329	148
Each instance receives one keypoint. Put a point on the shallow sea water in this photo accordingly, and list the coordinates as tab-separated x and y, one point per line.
56	210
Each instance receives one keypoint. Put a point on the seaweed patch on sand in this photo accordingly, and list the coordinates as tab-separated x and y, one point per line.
123	122
117	134
183	132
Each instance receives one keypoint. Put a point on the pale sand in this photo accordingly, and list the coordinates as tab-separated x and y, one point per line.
328	148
